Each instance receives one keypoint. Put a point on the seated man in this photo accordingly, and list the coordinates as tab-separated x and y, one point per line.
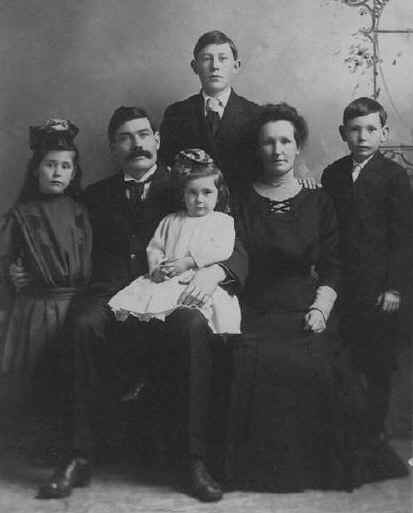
124	211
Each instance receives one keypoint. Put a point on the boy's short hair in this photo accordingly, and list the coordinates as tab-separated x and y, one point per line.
362	107
215	37
122	115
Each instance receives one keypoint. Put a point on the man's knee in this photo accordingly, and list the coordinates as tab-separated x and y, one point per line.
188	320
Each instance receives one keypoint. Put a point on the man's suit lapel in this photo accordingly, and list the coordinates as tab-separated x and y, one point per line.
117	192
119	202
159	178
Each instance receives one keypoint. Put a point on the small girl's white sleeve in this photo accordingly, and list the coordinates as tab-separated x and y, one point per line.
216	244
155	250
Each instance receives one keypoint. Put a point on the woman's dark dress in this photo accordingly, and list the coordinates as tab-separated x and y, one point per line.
295	418
53	237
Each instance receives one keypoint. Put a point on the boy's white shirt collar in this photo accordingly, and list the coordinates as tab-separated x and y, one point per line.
222	99
358	166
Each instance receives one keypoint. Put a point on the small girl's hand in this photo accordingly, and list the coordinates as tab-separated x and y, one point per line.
176	267
314	321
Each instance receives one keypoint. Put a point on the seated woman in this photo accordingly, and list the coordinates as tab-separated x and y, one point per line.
295	418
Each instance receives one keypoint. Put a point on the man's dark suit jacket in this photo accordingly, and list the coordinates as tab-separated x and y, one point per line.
374	217
121	232
184	126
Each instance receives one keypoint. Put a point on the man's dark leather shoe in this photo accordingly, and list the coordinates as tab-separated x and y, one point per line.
75	473
204	487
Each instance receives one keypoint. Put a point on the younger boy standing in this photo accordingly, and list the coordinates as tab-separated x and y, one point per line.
216	119
372	198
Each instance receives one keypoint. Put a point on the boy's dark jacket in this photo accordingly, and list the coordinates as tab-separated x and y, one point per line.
375	224
184	126
121	232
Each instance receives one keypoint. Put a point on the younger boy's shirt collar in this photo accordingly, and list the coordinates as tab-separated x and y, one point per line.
221	99
358	166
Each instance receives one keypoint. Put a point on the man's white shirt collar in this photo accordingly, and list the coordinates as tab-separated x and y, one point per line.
129	178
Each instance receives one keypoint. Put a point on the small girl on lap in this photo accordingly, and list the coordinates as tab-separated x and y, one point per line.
200	234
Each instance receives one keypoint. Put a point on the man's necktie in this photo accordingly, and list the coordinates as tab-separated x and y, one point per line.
134	191
212	116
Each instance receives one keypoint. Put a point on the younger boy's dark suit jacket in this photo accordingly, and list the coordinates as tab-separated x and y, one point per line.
374	217
121	232
184	126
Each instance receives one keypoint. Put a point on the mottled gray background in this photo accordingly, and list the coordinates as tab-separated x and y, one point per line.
82	58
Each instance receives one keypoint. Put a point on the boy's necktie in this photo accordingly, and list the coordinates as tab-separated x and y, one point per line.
355	172
213	118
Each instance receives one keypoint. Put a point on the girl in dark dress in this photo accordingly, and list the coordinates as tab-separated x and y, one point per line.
47	233
296	409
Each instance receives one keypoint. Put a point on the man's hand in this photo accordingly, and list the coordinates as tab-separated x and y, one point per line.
158	275
389	301
314	321
18	276
202	286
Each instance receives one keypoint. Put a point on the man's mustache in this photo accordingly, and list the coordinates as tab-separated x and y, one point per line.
139	153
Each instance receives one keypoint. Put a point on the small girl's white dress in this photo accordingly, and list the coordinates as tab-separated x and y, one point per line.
208	240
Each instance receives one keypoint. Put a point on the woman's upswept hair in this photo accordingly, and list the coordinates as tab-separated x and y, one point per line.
195	163
30	188
282	112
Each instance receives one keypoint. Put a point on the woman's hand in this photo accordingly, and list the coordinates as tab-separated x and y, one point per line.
309	182
314	321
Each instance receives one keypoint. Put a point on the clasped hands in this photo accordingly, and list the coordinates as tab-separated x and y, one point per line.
314	321
200	286
168	269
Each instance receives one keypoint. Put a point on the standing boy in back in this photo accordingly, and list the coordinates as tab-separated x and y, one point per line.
372	197
216	119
